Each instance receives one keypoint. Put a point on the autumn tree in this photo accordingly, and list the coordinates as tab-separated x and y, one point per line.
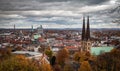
85	66
81	56
57	67
17	63
68	67
76	56
45	67
62	55
5	53
109	61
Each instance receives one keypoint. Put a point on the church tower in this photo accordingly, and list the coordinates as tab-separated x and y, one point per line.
85	42
88	30
40	30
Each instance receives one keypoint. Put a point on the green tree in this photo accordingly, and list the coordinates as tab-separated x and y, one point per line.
49	53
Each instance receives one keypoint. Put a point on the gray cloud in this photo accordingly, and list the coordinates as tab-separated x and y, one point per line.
54	13
43	4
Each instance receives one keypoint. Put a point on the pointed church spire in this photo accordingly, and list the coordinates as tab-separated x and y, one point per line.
88	30
83	29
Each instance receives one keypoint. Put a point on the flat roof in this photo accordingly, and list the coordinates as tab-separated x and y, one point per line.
27	52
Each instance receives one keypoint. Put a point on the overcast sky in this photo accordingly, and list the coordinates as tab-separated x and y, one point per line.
58	13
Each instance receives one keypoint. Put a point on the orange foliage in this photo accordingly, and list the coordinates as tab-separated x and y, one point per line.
85	66
62	55
16	63
45	67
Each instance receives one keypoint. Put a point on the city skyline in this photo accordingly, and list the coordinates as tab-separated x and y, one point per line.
59	13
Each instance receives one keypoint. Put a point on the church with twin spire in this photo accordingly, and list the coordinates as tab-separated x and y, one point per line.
85	39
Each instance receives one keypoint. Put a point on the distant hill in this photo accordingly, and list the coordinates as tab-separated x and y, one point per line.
65	29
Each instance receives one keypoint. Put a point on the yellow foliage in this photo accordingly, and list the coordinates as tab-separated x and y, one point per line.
68	68
49	53
45	67
85	66
76	56
109	61
16	63
62	55
81	56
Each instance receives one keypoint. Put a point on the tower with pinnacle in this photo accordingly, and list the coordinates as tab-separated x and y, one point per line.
85	40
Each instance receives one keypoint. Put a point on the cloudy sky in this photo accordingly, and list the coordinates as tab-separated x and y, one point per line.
59	13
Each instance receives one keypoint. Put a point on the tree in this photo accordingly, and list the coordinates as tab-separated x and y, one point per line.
85	66
52	61
16	63
109	61
68	67
76	56
49	53
57	67
62	55
45	67
81	56
87	54
5	53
